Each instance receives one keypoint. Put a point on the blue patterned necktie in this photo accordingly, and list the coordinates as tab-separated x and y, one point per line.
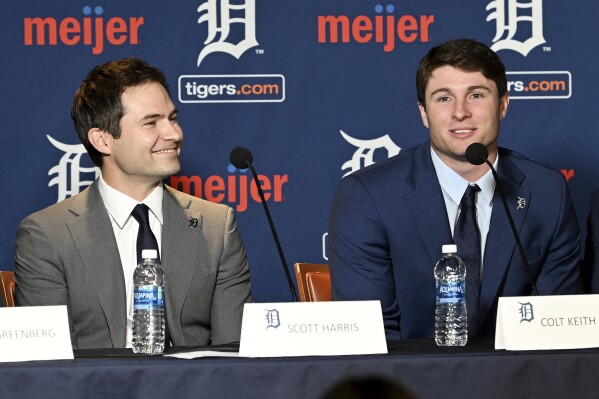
467	239
145	238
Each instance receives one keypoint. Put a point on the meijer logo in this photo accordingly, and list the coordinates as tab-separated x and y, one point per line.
234	189
380	29
89	30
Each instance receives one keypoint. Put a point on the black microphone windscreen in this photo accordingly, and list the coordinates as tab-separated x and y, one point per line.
241	157
477	153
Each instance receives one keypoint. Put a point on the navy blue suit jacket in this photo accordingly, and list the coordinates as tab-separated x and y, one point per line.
389	221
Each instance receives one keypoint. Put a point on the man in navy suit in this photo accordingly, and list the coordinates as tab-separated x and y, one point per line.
389	221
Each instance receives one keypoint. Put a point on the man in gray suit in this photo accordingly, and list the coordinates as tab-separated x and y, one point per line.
82	253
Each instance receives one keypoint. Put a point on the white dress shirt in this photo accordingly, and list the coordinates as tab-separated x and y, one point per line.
454	186
125	227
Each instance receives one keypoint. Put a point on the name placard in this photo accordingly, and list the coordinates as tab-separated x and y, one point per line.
34	333
312	328
547	322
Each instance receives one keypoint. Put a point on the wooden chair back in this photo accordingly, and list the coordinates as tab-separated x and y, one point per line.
313	282
7	288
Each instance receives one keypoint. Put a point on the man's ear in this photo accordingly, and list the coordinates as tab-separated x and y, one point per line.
423	114
100	140
503	104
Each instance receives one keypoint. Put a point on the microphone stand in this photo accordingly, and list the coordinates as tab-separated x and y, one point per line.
273	230
513	226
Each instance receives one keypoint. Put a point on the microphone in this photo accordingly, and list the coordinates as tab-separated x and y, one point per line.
242	158
477	154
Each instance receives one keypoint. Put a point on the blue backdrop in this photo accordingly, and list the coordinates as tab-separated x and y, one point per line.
315	89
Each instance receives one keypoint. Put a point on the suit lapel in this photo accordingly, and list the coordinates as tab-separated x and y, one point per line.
181	245
501	245
426	203
95	241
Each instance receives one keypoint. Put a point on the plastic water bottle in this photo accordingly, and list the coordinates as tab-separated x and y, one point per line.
451	319
148	305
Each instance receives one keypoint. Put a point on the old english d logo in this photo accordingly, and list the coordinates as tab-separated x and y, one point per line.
215	12
272	318
511	11
526	312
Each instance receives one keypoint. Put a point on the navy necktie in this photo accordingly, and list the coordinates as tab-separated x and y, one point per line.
467	239
145	238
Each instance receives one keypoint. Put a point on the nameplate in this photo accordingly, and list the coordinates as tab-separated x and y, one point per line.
547	322
34	333
312	328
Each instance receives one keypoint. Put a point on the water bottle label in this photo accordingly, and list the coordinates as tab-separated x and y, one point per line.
451	291
148	297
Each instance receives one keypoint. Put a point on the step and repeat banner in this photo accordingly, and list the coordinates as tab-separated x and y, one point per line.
316	89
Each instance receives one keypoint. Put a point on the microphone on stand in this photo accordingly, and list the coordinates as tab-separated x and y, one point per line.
477	154
242	158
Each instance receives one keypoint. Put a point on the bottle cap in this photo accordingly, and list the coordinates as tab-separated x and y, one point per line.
449	249
149	254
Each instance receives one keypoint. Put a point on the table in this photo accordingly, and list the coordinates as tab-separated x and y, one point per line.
474	371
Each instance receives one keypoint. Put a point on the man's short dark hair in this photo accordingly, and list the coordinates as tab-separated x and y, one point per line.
97	102
465	54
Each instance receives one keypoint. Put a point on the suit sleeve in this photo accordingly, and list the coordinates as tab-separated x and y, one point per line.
560	272
233	288
39	277
590	270
359	256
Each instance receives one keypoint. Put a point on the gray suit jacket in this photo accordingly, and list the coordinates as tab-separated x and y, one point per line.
67	254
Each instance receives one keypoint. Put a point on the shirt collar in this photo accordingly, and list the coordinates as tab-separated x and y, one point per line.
455	185
120	205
